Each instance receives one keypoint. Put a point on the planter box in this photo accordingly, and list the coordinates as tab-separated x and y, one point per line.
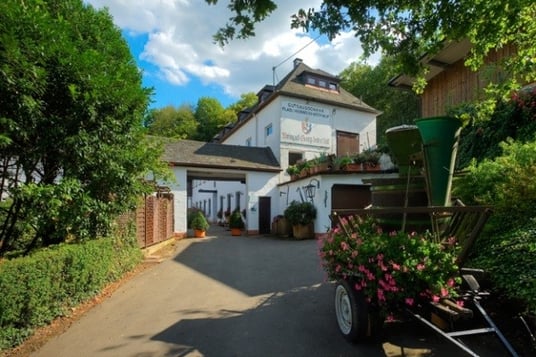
282	228
303	231
353	167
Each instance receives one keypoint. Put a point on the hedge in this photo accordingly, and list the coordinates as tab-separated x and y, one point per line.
43	286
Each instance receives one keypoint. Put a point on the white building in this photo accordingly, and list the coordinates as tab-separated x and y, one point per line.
306	114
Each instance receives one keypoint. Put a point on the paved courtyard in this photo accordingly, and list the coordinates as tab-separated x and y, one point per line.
230	296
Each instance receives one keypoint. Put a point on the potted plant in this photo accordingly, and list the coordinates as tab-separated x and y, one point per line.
369	159
301	217
236	223
341	162
199	224
321	163
303	168
293	171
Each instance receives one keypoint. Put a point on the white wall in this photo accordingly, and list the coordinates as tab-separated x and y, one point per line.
260	184
322	200
178	189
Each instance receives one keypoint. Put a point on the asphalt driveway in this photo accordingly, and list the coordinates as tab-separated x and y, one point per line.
230	296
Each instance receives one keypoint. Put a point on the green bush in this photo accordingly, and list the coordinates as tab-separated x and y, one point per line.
507	246
235	221
199	221
40	287
300	213
509	259
513	118
507	183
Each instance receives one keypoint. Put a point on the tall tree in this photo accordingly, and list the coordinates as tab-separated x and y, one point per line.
71	107
370	84
408	29
172	122
247	100
212	117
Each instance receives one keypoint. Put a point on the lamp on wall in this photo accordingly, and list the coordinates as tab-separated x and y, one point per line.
310	189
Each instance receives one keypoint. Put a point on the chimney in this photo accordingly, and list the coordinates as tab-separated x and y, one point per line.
297	62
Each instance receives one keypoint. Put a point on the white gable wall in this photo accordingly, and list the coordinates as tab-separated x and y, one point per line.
255	129
305	127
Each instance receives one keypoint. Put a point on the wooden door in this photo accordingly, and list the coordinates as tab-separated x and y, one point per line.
265	209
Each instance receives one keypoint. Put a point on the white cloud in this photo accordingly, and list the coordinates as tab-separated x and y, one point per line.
181	47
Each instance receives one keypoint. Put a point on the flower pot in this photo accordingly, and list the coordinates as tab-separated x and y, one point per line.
236	232
300	231
199	233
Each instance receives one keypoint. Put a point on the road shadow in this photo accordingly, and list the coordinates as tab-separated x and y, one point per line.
255	265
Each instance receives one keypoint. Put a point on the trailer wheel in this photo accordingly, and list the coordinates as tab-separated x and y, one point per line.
352	313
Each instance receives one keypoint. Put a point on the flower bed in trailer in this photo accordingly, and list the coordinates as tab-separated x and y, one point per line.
391	270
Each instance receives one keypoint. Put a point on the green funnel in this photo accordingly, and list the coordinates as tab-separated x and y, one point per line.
440	143
405	144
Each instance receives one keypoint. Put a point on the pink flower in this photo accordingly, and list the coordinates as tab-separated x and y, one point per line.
381	296
451	283
409	301
460	303
394	265
338	268
354	253
344	246
420	266
357	287
444	292
390	318
435	298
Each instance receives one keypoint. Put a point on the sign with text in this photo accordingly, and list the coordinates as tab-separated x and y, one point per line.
305	124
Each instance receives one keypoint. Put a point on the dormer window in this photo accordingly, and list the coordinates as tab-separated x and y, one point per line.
321	83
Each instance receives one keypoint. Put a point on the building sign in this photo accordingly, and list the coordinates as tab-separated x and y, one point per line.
305	124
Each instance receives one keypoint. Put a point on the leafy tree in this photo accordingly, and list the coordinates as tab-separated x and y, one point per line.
172	122
71	107
408	29
212	117
369	84
247	100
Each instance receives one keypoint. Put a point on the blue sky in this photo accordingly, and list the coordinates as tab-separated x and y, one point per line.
171	41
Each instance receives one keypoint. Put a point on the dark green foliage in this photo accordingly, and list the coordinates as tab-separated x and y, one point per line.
515	118
44	285
199	221
235	220
370	84
191	213
507	183
509	258
72	149
300	213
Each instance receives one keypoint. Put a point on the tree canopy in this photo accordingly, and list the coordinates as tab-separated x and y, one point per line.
409	29
71	108
369	83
